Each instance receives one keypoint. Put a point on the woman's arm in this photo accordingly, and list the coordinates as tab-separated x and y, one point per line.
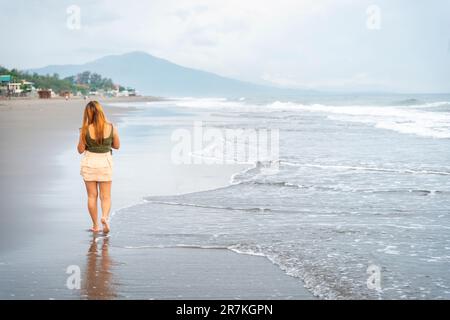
116	139
81	146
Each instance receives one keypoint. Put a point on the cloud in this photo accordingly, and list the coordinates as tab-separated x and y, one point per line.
308	43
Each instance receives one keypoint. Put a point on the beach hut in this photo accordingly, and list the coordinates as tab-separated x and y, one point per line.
44	94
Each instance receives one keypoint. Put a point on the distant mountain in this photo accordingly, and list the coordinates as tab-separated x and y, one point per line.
154	76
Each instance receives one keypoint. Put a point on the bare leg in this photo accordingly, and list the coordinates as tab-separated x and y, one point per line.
105	197
92	193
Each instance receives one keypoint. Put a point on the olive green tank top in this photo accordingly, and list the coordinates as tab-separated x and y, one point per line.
93	146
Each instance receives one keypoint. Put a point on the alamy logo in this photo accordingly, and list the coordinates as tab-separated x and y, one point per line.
211	145
374	280
73	281
373	21
73	21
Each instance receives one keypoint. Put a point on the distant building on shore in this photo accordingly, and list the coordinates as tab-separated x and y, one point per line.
45	94
4	82
15	89
5	79
119	91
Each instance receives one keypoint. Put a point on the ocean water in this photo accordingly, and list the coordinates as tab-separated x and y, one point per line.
361	183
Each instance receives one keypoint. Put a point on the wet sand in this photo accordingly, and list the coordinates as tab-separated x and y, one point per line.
33	133
44	222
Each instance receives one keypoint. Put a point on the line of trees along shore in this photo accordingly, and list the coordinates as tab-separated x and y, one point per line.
84	82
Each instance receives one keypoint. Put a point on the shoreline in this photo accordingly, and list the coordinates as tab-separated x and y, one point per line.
37	248
76	98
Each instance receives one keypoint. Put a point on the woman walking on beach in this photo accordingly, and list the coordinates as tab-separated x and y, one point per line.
97	139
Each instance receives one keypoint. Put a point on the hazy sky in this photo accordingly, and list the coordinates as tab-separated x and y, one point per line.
396	45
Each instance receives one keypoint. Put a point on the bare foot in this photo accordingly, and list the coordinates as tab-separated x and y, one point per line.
95	229
105	225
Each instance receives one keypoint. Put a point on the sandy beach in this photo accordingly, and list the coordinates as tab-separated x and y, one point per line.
44	220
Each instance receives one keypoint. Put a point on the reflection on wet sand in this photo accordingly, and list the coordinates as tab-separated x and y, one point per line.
98	282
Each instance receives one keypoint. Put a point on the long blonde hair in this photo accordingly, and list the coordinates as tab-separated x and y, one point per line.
93	114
